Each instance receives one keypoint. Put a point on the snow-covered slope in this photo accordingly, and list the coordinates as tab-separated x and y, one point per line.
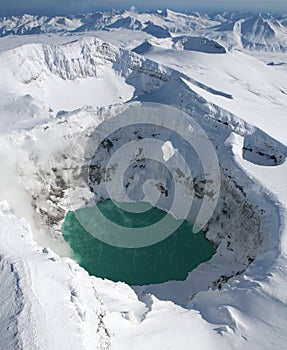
184	42
234	81
30	277
54	109
50	74
262	33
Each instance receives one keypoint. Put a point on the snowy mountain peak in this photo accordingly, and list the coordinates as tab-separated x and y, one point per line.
127	22
263	32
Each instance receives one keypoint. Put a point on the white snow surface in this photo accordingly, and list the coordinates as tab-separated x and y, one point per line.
55	91
32	277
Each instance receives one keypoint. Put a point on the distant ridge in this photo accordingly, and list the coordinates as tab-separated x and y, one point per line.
261	32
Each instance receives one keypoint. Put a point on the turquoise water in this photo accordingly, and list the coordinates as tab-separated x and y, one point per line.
169	259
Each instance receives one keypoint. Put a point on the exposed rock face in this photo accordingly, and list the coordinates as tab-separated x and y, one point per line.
81	174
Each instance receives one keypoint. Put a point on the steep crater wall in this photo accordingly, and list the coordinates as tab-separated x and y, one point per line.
77	177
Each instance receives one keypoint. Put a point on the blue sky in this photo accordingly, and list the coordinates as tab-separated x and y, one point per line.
50	7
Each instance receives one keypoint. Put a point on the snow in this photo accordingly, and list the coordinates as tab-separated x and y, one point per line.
73	85
257	91
109	89
168	150
30	276
200	44
259	32
104	86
